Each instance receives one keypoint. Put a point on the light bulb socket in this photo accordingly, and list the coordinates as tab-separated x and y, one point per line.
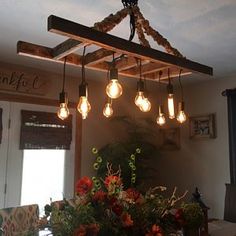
109	100
113	73
161	110
170	89
181	106
140	86
63	97
83	89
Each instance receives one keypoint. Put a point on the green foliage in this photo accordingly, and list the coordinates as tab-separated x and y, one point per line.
193	215
67	217
119	153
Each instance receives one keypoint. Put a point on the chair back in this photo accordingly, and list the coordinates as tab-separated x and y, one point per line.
15	221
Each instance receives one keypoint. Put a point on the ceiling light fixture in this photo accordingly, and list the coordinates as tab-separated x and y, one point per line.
80	35
181	116
84	106
161	120
63	111
171	104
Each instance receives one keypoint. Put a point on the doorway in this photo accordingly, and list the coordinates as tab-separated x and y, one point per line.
26	173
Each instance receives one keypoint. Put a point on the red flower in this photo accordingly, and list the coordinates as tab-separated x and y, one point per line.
179	217
126	220
133	194
84	185
155	231
99	196
81	231
117	209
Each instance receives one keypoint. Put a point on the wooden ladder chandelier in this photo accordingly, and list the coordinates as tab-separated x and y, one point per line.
129	58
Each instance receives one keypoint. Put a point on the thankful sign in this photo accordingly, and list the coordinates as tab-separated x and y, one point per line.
23	82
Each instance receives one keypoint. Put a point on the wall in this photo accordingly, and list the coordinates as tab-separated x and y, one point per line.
202	163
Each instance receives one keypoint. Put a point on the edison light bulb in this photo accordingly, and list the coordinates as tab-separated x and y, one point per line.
63	111
108	111
171	106
139	98
161	120
114	89
181	117
145	105
84	107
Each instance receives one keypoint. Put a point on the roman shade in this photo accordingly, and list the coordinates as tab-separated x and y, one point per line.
44	130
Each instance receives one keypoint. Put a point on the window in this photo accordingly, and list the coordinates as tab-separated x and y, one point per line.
42	177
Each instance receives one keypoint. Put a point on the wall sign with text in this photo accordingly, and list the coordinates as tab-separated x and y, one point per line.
21	82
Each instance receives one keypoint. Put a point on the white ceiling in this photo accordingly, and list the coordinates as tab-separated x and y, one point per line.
203	30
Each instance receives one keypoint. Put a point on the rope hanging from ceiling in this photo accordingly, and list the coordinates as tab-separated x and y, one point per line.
138	23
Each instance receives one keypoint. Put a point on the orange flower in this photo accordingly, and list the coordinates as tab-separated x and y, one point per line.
84	185
84	230
112	179
126	220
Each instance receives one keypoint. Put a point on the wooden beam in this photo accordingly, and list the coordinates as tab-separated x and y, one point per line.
126	63
97	56
65	48
147	68
45	53
174	73
85	34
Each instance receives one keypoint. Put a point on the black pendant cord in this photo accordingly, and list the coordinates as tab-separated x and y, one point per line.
169	76
159	87
181	87
140	69
130	4
83	69
132	25
64	75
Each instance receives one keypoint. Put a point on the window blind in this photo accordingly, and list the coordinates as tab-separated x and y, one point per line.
44	130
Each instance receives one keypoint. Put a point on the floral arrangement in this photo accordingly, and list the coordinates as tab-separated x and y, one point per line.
103	207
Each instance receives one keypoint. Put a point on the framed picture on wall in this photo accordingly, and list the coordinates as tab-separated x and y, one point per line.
170	139
202	126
